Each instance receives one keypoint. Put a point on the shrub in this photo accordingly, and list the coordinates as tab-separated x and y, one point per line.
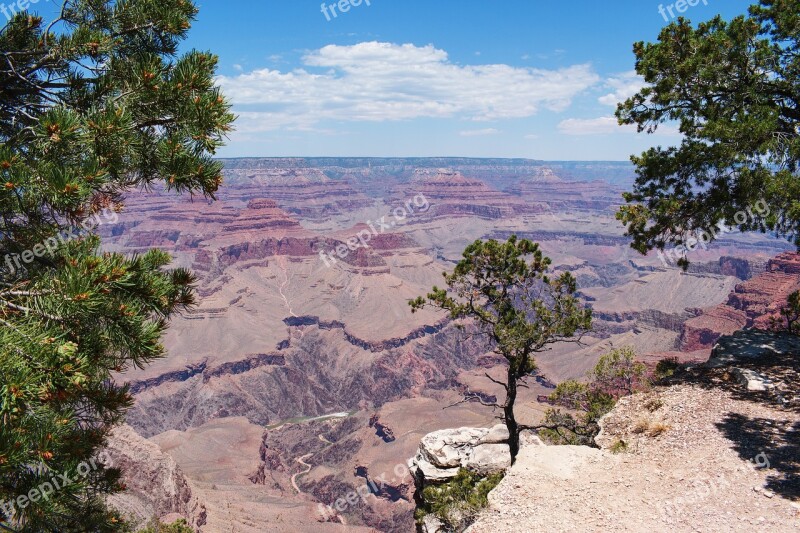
653	404
179	526
641	426
649	427
656	429
620	446
666	368
616	374
457	502
564	428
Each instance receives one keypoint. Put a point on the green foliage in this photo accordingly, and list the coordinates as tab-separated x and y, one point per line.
654	404
457	502
616	374
180	526
505	289
732	89
666	368
589	403
91	105
790	315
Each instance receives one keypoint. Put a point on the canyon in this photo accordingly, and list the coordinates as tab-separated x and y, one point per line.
297	381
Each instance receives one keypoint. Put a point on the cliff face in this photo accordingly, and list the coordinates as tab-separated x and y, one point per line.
225	369
554	193
305	377
155	485
452	194
307	193
751	304
388	344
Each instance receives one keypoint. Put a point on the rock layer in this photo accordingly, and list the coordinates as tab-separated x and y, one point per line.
752	304
155	485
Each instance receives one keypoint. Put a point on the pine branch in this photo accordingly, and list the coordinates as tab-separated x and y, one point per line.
28	311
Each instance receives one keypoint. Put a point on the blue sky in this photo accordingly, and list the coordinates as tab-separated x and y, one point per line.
480	78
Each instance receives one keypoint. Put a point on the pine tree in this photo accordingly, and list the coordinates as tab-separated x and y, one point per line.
504	288
92	104
732	88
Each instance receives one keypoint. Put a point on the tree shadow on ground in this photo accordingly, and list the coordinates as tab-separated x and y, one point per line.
778	441
776	356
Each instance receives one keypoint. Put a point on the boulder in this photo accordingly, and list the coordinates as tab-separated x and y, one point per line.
442	453
752	379
431	524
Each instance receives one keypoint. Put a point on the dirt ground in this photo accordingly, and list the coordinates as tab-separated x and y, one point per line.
696	458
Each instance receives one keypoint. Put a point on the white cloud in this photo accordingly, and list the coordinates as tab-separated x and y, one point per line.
592	126
478	133
607	125
374	81
623	87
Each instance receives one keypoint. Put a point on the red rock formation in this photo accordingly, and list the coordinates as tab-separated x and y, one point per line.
452	194
553	193
262	214
704	330
381	430
308	193
752	304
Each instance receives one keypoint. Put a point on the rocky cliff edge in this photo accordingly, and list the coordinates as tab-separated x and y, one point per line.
707	454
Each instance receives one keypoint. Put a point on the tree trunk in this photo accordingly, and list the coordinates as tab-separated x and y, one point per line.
508	413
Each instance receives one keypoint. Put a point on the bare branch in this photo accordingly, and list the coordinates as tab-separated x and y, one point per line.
475	396
490	378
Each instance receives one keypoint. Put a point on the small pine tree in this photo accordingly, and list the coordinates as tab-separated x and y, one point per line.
504	288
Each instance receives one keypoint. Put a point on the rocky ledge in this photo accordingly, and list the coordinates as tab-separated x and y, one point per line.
707	454
442	453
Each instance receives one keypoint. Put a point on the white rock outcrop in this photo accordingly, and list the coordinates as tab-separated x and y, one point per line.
442	453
